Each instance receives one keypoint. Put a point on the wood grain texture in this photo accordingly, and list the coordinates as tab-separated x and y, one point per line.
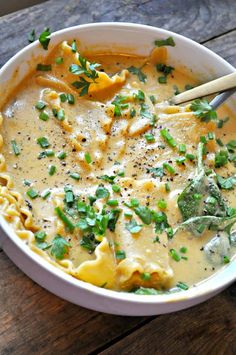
33	321
208	328
200	20
225	47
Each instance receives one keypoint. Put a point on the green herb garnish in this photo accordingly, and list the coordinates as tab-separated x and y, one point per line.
44	38
133	227
43	116
44	67
65	219
32	36
60	247
102	192
119	104
15	147
168	138
88	158
165	42
43	142
40	105
32	193
149	137
137	71
120	254
203	110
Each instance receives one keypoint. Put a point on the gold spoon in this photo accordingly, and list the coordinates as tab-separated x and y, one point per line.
226	85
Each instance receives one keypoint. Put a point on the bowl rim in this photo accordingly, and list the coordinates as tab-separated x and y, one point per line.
202	288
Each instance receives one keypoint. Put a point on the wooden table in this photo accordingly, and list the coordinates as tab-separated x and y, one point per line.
32	320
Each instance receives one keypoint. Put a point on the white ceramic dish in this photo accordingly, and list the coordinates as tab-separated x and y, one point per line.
136	39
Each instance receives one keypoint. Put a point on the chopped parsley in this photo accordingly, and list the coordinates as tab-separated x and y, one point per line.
165	42
166	70
203	110
44	38
60	247
119	103
137	71
221	158
89	242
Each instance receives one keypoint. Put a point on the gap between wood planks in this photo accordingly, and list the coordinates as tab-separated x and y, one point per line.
217	37
107	345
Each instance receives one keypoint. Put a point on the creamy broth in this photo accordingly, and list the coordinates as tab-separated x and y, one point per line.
88	139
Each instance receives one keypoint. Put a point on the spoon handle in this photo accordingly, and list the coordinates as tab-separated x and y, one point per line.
212	87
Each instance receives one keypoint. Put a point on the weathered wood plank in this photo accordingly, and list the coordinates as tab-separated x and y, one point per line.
200	20
224	46
33	321
208	328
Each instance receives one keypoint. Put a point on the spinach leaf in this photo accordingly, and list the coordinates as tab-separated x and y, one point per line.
217	249
202	196
197	225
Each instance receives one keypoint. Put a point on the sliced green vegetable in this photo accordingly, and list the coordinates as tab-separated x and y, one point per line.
168	138
15	147
133	227
65	219
32	193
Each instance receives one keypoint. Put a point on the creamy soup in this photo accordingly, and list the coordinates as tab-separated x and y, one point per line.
105	179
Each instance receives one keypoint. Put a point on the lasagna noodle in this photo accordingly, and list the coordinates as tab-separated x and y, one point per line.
142	254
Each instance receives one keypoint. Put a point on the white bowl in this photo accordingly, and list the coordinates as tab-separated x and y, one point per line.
137	39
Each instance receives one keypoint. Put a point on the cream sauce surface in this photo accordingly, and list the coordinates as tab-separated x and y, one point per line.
116	145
